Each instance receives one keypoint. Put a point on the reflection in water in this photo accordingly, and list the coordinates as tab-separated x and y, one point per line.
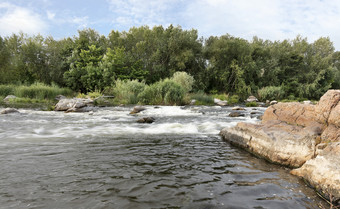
107	160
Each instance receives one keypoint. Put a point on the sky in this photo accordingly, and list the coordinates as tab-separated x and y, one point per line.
266	19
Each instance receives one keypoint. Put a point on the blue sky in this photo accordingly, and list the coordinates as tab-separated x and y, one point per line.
267	19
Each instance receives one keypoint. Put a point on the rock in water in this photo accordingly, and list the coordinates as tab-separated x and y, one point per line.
146	120
238	108
74	105
236	114
298	135
137	109
251	99
323	172
9	110
276	141
220	102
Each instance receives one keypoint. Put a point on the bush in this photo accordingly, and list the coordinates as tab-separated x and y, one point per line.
6	90
150	95
222	97
185	80
251	104
165	92
202	98
271	93
234	99
127	91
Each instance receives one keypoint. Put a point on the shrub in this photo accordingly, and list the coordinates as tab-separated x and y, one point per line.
202	98
234	99
185	80
165	92
222	97
6	90
127	91
150	95
251	104
271	93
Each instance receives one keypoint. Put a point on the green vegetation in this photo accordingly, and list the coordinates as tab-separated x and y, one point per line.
202	98
32	96
270	93
36	91
162	65
251	104
234	99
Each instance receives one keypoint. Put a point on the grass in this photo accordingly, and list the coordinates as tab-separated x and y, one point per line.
202	98
35	91
34	96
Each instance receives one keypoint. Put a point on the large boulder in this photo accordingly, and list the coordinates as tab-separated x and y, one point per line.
276	141
298	135
327	104
74	105
323	172
293	113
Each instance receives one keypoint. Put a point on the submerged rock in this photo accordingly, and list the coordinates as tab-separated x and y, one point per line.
238	108
236	114
298	135
137	109
9	110
146	120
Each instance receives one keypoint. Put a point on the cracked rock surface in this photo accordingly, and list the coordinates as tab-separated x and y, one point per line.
303	136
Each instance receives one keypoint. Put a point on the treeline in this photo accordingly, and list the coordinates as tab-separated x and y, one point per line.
225	64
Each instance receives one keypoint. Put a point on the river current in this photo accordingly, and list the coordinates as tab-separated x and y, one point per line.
105	159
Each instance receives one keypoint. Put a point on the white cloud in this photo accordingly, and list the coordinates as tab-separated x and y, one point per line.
14	19
135	12
50	15
81	22
268	19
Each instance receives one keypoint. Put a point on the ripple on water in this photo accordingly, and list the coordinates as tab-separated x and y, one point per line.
107	160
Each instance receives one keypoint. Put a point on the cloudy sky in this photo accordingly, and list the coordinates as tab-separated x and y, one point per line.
267	19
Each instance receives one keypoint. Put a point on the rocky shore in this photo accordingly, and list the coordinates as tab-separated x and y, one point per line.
305	137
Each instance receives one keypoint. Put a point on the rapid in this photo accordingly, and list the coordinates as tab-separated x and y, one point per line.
105	159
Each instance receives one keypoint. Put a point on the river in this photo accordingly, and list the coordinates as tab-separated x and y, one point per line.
105	159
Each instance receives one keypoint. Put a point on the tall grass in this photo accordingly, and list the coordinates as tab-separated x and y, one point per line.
127	91
270	93
165	92
202	98
35	91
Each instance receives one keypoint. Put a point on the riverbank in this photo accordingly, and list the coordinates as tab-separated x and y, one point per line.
305	137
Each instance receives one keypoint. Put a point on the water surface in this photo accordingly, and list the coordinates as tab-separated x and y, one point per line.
107	160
